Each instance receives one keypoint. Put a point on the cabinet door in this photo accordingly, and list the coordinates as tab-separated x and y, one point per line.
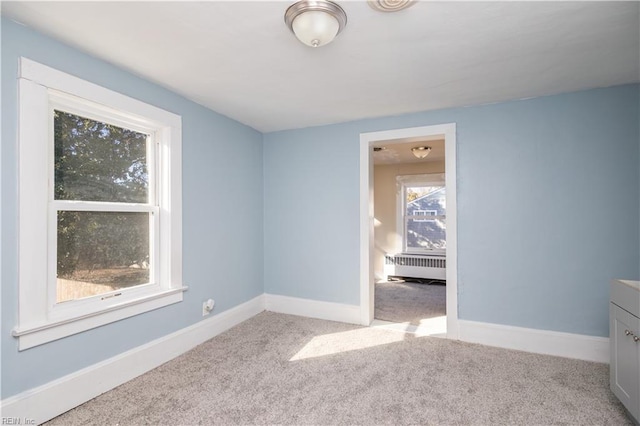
625	358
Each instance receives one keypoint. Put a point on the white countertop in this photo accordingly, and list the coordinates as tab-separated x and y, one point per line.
633	284
626	294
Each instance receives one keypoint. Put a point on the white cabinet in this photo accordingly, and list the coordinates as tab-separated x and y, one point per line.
624	337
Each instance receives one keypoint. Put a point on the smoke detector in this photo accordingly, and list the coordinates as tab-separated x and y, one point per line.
390	5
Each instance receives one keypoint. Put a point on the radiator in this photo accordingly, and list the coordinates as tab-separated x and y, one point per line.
415	266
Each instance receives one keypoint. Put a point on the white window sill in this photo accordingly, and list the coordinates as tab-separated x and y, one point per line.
34	335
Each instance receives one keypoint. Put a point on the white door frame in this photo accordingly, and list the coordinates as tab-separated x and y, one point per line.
367	218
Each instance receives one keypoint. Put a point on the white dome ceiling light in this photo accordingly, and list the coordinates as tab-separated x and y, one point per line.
315	23
421	151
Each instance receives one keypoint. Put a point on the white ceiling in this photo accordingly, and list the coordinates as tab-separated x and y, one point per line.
239	58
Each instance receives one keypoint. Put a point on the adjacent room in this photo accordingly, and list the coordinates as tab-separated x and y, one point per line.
410	213
320	212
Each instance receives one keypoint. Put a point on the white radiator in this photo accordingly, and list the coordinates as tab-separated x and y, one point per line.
415	266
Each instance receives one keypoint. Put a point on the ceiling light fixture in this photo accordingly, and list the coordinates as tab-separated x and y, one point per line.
315	23
421	151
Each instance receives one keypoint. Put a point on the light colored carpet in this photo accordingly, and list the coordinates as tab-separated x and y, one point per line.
282	369
409	302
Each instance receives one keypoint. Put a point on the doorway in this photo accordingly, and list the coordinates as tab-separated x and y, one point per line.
418	136
410	213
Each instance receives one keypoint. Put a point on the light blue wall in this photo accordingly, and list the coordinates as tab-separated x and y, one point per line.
548	207
530	173
222	232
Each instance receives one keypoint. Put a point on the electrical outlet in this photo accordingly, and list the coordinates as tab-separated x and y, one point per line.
207	307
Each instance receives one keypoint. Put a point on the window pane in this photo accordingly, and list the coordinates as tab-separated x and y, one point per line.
426	234
420	196
96	161
428	230
99	252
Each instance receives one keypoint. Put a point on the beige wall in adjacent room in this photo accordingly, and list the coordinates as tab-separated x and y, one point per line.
384	205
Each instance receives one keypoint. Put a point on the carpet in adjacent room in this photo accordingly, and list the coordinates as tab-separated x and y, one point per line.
399	301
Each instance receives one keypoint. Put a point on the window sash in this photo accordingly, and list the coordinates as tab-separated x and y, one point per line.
59	310
81	107
86	109
420	218
101	206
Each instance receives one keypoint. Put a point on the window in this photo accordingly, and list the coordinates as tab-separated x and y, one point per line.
100	206
422	214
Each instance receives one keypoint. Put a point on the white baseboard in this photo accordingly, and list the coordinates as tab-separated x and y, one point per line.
54	398
313	308
568	345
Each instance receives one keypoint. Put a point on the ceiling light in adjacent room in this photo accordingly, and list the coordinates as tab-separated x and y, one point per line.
421	151
315	23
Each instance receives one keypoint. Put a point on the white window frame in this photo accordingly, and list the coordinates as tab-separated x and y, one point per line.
402	183
40	319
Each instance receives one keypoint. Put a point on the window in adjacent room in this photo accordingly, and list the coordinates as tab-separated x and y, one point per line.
422	213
